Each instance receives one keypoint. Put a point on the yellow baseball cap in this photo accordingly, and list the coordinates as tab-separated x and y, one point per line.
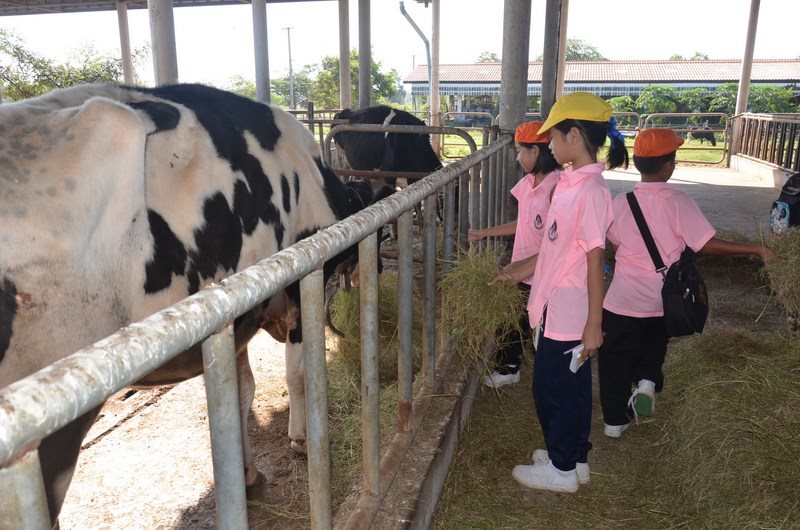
577	106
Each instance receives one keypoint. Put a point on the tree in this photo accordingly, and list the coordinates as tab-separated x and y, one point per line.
693	100
724	98
771	99
25	74
578	50
324	90
677	57
622	104
488	57
699	57
657	98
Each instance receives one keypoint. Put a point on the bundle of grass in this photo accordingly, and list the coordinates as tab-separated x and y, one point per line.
731	446
784	271
345	314
475	311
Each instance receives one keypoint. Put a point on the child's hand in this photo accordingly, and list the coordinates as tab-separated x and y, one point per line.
514	272
767	254
592	340
474	234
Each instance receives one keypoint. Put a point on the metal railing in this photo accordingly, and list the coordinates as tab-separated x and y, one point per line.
687	123
770	138
37	406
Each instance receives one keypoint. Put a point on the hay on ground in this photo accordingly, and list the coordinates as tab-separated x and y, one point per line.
475	311
784	271
731	456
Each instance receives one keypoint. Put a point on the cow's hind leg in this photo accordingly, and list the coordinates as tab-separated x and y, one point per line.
247	389
58	455
295	382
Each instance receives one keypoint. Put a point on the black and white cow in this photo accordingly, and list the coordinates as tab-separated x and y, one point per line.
116	202
386	151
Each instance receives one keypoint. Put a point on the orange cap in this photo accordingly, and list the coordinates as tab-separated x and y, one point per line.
528	133
656	142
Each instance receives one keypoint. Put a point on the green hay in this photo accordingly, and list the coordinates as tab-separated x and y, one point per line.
474	310
345	314
784	271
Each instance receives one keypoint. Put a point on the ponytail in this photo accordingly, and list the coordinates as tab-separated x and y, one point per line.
594	137
617	152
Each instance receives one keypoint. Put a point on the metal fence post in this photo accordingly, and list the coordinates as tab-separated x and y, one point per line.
22	499
312	301
219	373
405	320
370	384
429	292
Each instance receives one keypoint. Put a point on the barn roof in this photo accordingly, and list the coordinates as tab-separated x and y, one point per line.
38	7
764	70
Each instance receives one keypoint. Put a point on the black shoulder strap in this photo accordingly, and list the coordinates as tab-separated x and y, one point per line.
645	231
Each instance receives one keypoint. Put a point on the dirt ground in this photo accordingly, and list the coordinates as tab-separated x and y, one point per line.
147	462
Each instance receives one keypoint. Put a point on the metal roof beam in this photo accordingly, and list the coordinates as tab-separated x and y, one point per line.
40	7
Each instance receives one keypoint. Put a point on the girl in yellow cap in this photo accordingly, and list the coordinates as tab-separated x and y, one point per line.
532	193
566	300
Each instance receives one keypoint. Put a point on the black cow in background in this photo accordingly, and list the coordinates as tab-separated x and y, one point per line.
386	151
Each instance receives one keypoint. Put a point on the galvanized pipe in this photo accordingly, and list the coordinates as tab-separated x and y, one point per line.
405	320
364	55
261	49
429	292
370	385
448	224
23	503
345	84
312	300
219	373
34	407
463	208
125	43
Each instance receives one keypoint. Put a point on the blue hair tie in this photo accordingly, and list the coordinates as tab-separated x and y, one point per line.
613	133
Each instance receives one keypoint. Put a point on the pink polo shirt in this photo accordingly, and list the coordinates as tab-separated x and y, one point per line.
577	221
533	204
675	221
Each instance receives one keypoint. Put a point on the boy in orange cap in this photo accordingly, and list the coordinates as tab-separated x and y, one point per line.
635	343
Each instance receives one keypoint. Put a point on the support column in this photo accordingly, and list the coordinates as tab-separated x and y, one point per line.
514	79
562	49
364	56
552	66
162	36
345	92
125	43
747	67
261	50
435	102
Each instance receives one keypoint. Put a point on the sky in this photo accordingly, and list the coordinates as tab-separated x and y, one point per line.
216	43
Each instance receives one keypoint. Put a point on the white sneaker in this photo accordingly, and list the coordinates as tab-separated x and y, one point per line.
540	455
496	379
581	468
644	398
545	476
583	472
614	431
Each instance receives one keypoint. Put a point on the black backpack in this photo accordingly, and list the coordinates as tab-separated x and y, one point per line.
684	293
785	211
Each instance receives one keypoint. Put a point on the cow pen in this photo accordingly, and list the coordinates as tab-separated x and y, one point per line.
50	399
